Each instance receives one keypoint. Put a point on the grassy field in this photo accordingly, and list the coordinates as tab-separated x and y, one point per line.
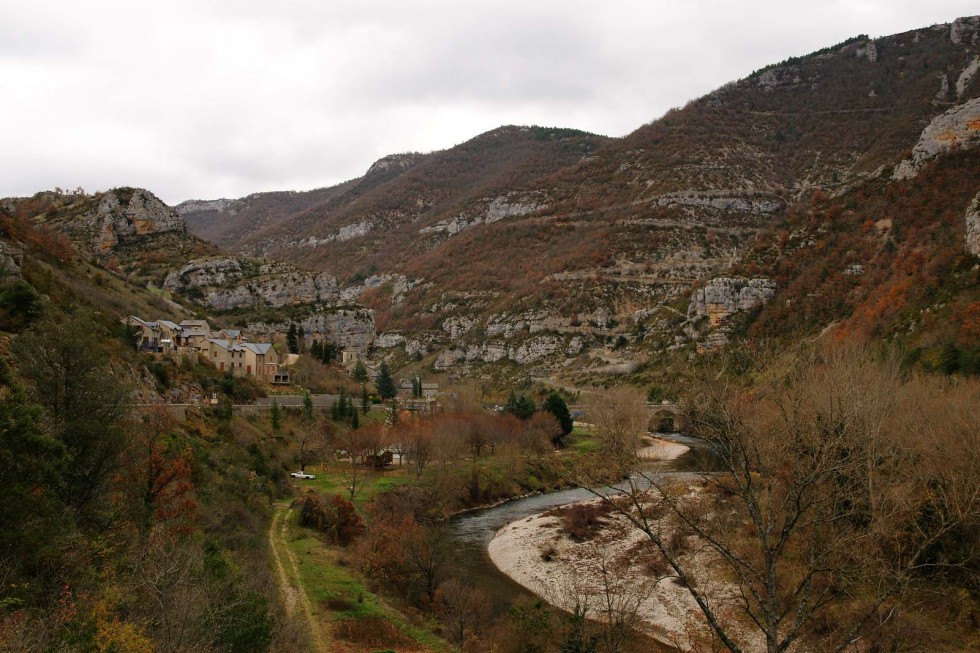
357	619
331	479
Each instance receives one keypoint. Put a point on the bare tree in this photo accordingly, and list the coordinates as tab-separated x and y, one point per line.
823	503
358	445
418	446
466	609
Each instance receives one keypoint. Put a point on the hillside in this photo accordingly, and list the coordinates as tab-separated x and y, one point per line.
131	235
534	246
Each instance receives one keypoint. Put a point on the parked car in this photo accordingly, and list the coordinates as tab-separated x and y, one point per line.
302	474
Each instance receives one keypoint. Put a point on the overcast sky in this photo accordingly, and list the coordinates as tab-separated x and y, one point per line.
221	98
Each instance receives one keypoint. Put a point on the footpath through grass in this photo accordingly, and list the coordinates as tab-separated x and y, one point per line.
357	619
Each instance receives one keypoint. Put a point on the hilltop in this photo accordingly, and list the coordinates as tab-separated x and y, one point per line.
536	246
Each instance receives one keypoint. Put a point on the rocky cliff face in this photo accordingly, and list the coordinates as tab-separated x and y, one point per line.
11	258
722	297
98	224
347	328
957	128
973	226
227	283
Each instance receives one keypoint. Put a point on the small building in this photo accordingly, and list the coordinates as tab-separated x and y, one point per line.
146	334
234	335
349	357
193	333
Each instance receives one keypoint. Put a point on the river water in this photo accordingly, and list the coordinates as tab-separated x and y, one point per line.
474	530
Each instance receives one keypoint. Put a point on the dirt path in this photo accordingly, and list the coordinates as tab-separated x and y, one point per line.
288	572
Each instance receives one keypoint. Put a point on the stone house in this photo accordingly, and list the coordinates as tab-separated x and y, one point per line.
193	333
429	390
146	334
257	360
226	349
159	337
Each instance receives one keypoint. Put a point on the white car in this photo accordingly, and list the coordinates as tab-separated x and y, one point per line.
302	474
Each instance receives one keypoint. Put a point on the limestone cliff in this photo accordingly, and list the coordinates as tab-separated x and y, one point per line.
228	283
345	327
973	226
722	297
958	128
98	224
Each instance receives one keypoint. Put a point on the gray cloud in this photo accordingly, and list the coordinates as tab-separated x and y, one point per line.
229	97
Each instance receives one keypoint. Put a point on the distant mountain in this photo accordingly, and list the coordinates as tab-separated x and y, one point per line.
534	245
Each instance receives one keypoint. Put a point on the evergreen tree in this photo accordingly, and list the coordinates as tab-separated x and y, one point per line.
329	352
307	407
355	422
350	405
365	402
316	350
342	403
360	373
275	415
292	338
556	405
522	407
949	358
386	385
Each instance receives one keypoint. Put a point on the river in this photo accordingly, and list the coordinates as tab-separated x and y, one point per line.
474	530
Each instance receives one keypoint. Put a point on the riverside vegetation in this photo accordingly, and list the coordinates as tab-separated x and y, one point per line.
844	514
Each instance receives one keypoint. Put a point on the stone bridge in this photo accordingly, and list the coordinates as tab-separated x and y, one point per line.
659	415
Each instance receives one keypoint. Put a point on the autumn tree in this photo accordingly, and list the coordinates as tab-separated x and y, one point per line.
154	481
825	507
418	446
85	400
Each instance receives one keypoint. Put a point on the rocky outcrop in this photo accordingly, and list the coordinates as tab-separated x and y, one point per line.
347	328
724	296
530	351
973	226
965	31
868	50
956	129
503	206
203	206
10	259
227	283
345	233
389	340
456	327
724	200
97	224
963	81
396	163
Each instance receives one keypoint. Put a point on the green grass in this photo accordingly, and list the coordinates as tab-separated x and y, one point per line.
330	480
337	592
581	440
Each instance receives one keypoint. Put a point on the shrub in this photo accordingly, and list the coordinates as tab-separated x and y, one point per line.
582	521
311	512
344	522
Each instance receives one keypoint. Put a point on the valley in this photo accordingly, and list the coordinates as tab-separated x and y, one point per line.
415	410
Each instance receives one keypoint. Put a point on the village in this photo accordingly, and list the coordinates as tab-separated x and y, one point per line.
270	362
